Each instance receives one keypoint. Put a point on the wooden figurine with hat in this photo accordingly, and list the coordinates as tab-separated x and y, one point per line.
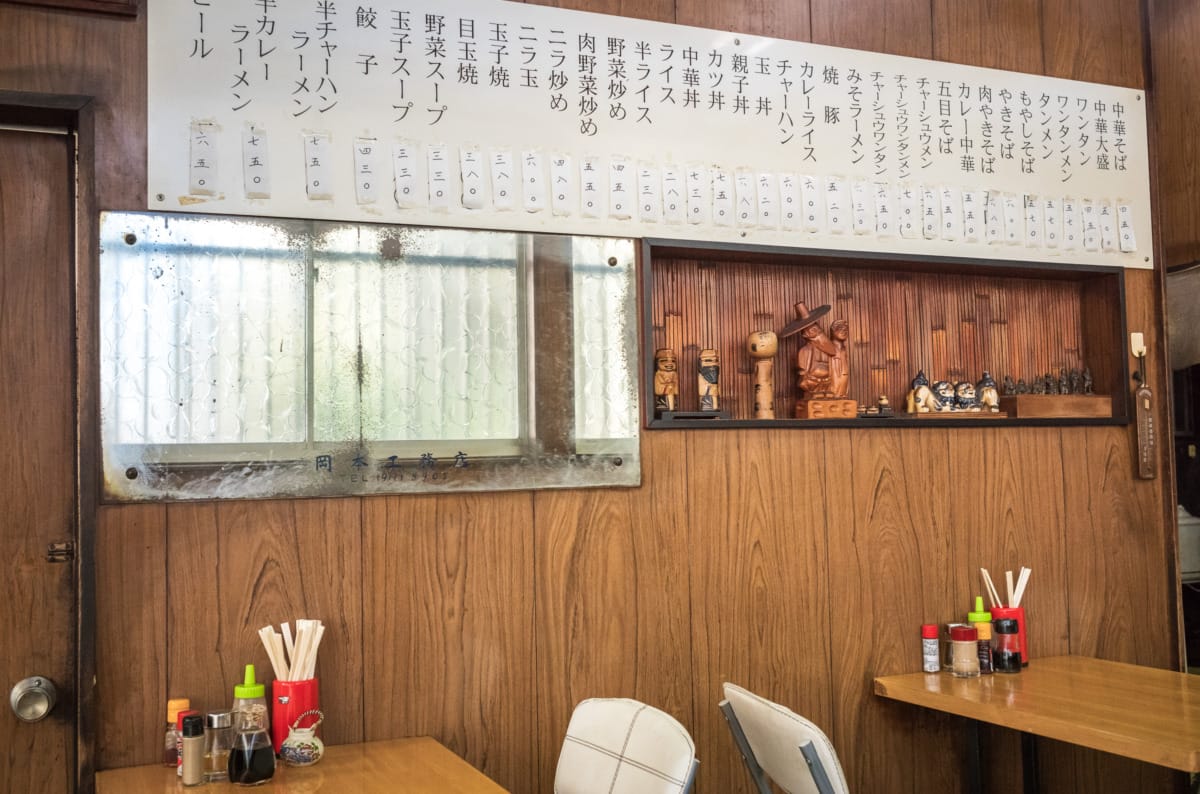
822	366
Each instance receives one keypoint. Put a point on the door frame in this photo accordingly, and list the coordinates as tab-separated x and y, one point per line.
75	114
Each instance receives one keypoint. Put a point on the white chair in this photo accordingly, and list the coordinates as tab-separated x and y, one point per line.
779	744
622	746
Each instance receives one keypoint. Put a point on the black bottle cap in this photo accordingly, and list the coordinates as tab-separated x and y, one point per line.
1005	625
193	725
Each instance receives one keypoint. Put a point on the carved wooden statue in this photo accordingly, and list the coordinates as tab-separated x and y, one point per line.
666	379
822	366
708	380
762	346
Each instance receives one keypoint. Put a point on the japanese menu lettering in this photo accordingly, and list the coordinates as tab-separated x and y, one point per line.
496	114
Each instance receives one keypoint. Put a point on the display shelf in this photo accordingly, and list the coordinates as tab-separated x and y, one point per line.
952	319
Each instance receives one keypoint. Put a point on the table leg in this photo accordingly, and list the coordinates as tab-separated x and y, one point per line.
1029	764
974	766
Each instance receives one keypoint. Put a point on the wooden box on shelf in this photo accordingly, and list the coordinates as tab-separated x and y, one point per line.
952	319
1057	406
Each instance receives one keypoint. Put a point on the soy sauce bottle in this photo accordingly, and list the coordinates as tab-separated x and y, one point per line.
252	759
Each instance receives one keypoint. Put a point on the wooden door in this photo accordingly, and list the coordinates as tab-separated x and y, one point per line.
37	446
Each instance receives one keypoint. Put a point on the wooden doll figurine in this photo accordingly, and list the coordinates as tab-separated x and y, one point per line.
666	379
762	346
708	381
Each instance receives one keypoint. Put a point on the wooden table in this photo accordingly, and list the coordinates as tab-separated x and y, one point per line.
416	766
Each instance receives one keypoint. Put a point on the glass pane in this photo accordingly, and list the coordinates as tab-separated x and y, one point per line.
252	358
605	295
415	334
202	331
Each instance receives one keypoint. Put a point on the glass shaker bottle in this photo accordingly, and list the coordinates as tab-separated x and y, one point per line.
1006	646
964	652
249	693
218	741
252	758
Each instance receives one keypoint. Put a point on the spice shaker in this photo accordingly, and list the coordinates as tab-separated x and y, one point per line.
981	619
964	651
930	660
193	750
218	741
179	739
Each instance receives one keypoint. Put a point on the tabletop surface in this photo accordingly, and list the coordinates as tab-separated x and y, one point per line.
422	765
1145	713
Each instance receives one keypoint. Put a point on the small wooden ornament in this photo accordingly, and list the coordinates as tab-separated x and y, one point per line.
666	379
762	347
708	380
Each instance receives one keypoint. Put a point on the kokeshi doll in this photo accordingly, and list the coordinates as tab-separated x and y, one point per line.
762	346
708	381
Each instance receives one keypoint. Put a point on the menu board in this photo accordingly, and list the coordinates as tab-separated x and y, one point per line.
495	114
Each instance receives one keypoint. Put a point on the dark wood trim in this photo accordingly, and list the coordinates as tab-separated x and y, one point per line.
552	341
75	113
875	260
87	379
900	420
127	8
1162	378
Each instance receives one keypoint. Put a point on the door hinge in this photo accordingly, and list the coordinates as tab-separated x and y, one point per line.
63	551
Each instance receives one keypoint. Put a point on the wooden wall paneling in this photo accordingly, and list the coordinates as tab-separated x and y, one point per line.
1144	312
53	51
1099	41
128	7
897	27
999	34
778	19
1115	536
234	567
612	610
131	633
1119	587
891	558
1174	30
760	583
1102	329
448	612
1007	510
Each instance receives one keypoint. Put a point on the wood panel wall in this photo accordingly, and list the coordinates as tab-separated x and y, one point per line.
798	563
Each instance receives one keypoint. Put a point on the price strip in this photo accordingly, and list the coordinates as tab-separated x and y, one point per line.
1147	435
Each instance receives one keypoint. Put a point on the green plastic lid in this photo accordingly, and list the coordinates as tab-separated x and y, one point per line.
252	689
979	615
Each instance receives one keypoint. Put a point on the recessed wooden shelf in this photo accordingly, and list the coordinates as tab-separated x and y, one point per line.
953	319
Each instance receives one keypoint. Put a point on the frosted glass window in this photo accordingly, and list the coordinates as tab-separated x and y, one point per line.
262	357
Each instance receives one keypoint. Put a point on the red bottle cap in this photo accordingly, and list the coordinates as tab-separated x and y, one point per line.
929	631
180	716
964	634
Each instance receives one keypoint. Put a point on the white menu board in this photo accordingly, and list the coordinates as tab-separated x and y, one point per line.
495	114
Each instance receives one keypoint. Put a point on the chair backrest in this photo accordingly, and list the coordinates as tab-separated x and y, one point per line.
789	749
622	746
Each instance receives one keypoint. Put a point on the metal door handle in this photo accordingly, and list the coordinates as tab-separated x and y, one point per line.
33	698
